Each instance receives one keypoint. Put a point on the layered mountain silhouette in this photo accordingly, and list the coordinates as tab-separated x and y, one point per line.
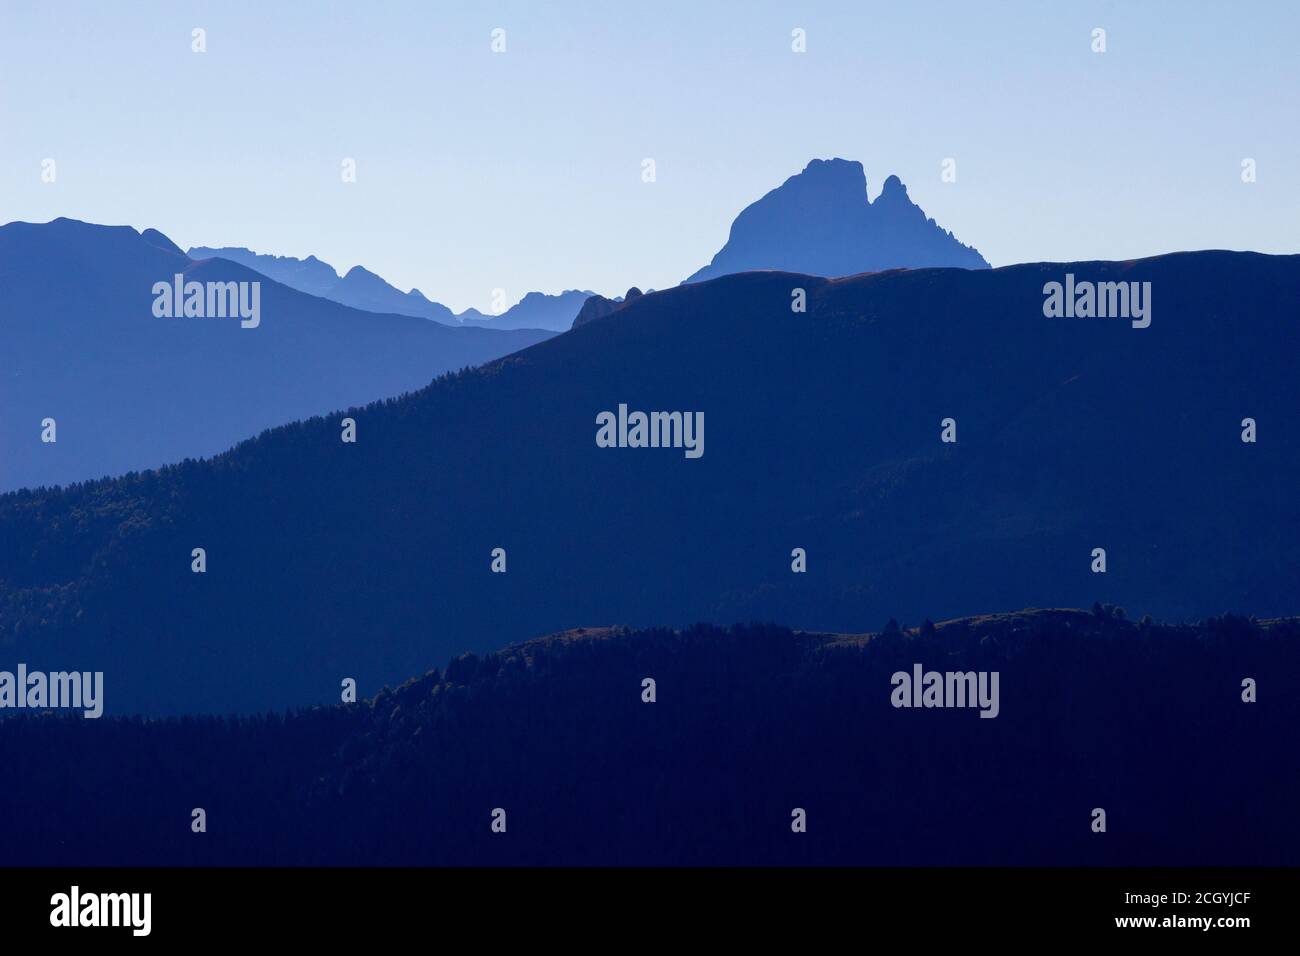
749	722
130	390
822	432
363	289
597	307
359	288
309	275
536	310
820	222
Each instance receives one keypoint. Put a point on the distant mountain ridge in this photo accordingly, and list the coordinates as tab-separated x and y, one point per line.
536	310
130	390
820	222
362	289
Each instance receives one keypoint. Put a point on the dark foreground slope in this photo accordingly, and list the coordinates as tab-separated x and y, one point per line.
1143	721
373	560
79	343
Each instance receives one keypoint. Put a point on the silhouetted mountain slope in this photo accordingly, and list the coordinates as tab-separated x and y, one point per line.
155	238
597	307
129	390
820	222
363	289
749	723
360	288
372	559
309	275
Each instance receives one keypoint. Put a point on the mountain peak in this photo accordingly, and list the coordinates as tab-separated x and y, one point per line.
846	171
597	306
536	310
308	275
155	238
820	222
893	188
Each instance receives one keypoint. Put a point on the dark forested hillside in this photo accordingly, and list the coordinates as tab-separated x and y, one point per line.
373	560
1142	720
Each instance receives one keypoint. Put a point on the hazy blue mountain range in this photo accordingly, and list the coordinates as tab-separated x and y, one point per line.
309	275
820	222
363	289
536	310
822	432
130	390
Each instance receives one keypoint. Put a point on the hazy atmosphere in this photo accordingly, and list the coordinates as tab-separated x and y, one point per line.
522	170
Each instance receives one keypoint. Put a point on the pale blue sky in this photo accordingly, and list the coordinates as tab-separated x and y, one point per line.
522	170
